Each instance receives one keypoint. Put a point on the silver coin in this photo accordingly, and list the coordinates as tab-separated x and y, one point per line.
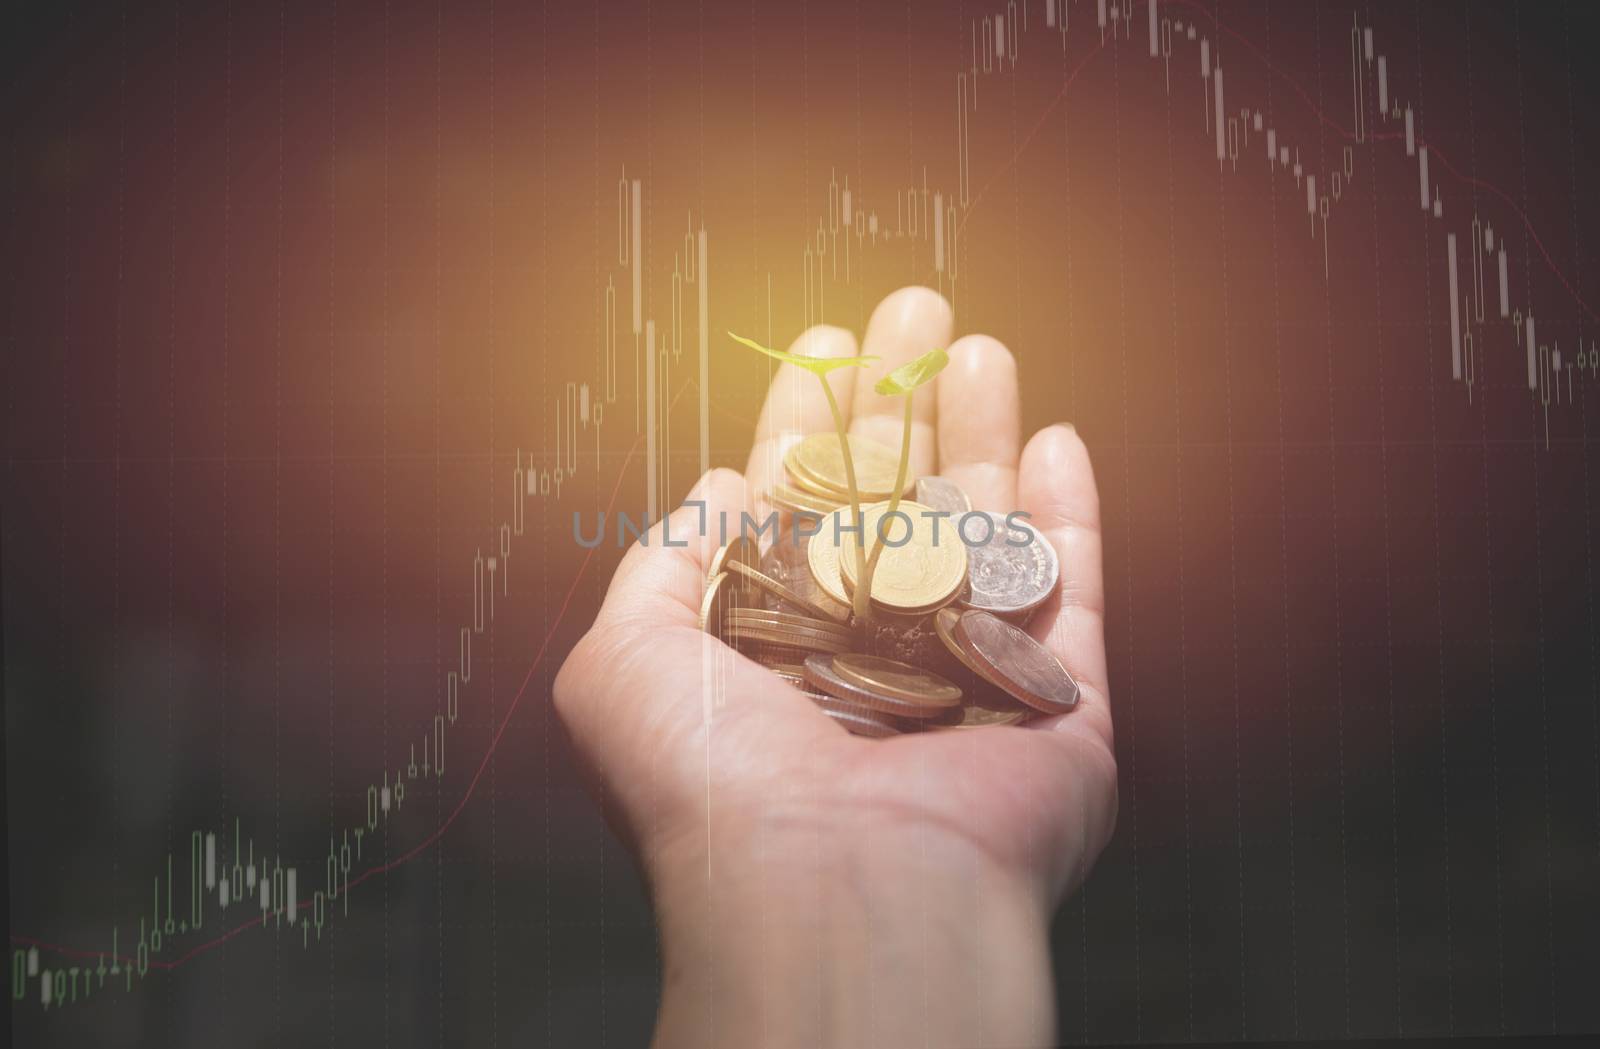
785	559
1012	573
941	493
786	562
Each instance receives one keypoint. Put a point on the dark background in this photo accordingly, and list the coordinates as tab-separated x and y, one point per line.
291	292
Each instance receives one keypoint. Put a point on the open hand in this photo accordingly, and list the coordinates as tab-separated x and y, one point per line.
813	887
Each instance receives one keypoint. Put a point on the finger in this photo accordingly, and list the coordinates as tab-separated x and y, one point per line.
1056	487
905	325
663	584
979	421
797	406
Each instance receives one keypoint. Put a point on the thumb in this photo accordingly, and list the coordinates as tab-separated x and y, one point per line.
639	692
646	636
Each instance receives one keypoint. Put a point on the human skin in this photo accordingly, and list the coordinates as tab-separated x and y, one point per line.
814	888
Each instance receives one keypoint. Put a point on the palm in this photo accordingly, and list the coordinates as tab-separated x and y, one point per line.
729	745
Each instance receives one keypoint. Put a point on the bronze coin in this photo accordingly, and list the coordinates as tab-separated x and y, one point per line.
821	675
1016	662
893	678
977	689
861	721
860	725
944	622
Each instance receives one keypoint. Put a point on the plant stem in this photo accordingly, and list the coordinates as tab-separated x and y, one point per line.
894	497
863	593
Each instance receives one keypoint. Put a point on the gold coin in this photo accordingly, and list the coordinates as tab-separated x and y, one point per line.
821	492
985	717
797	633
767	618
808	640
817	462
779	617
893	678
719	597
949	717
740	548
769	652
918	575
824	551
760	579
796	501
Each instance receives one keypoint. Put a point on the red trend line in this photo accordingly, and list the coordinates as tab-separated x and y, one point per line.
437	832
1322	117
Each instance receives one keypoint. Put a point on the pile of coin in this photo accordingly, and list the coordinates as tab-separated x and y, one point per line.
944	643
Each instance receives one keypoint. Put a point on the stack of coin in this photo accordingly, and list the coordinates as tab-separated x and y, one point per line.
942	645
793	633
816	481
890	695
816	464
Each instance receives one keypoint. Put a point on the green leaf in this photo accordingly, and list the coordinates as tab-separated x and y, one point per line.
913	374
814	365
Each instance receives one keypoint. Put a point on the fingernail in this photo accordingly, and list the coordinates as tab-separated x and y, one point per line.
1067	427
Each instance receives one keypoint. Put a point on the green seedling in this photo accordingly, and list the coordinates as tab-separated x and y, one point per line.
904	381
820	367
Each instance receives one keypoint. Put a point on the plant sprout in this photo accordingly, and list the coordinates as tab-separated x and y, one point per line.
820	367
904	381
